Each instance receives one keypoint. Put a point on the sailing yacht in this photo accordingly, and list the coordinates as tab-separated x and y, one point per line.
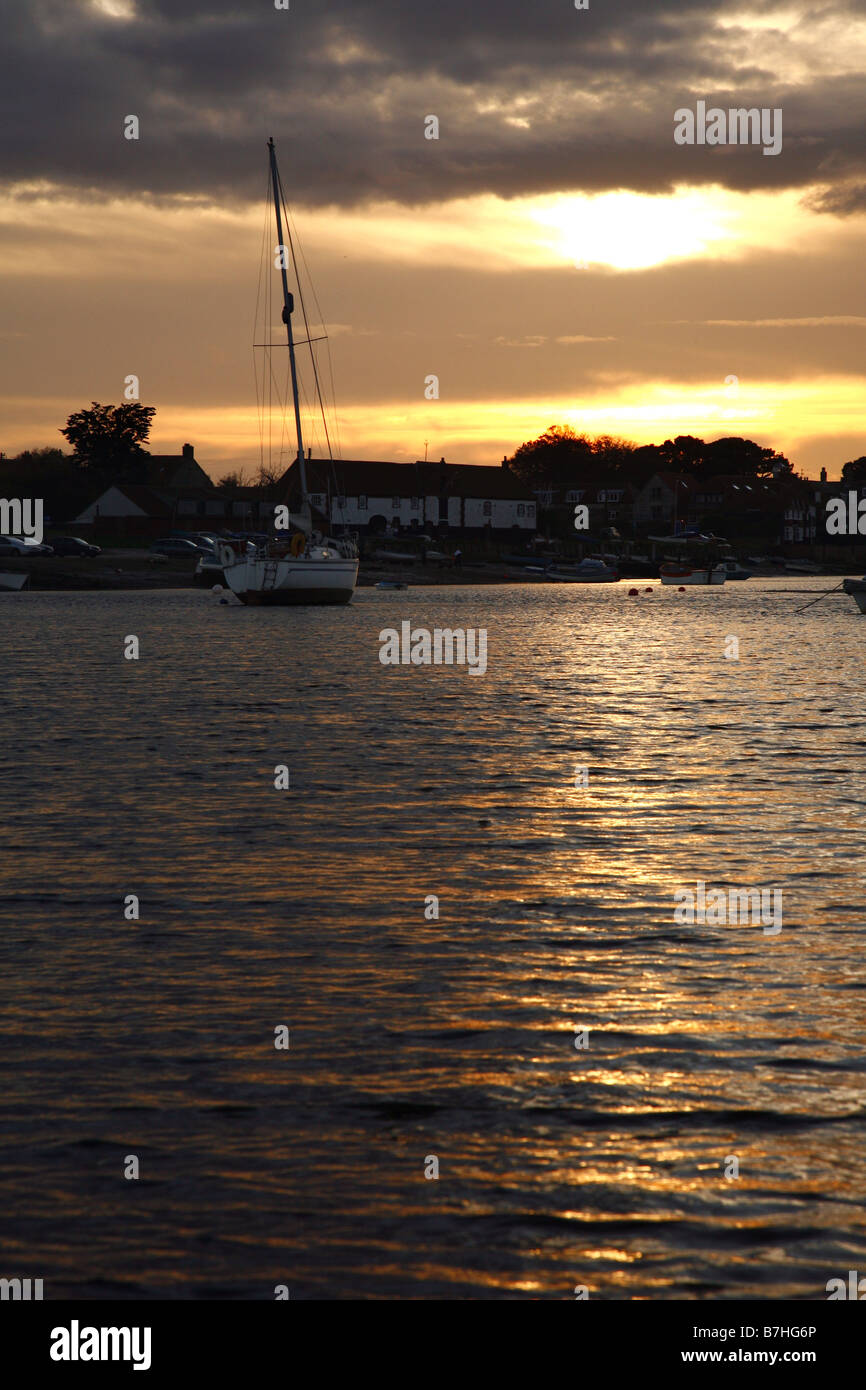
312	568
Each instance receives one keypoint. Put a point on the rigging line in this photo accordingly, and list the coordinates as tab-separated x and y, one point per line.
304	308
334	399
282	401
299	342
818	600
321	320
260	402
330	358
270	376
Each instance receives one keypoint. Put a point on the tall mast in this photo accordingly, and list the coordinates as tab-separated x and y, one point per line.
288	306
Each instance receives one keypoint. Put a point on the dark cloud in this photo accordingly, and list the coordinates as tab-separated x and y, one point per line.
344	87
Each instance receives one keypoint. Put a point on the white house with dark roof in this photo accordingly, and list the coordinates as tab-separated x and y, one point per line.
373	496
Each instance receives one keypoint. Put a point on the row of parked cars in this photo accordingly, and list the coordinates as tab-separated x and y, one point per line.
61	545
191	543
196	543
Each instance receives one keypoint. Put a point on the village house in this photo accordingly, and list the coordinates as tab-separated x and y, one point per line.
778	509
402	498
176	494
372	498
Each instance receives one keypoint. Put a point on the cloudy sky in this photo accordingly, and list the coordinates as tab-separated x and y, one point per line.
554	257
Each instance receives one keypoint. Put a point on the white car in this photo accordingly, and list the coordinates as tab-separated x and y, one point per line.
13	545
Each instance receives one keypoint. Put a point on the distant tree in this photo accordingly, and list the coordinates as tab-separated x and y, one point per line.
267	475
230	482
49	474
685	454
854	472
110	437
743	456
614	455
561	459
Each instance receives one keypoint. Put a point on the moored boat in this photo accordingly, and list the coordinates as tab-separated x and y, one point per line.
683	572
589	571
325	572
734	570
317	569
10	582
857	589
802	567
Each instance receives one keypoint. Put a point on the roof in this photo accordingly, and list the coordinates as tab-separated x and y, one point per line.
671	480
140	496
360	477
143	497
173	470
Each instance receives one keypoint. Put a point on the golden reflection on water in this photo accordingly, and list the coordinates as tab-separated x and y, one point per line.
453	1036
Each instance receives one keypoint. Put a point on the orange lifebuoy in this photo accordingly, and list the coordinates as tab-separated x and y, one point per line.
299	541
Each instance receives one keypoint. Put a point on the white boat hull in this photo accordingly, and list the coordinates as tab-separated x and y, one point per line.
589	577
688	576
281	582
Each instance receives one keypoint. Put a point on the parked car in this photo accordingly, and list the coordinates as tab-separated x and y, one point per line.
74	545
13	545
175	545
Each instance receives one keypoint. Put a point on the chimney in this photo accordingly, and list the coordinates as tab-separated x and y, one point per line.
504	461
187	451
823	475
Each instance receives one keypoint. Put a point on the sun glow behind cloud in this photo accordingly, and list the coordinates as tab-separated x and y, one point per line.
616	235
617	231
115	9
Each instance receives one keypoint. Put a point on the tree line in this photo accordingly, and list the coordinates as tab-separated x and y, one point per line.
562	459
108	442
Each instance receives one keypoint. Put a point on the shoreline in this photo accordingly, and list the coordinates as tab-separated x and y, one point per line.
116	572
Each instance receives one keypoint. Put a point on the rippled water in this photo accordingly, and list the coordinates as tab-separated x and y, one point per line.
410	1037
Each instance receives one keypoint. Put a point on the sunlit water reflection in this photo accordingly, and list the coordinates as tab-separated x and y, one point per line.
410	1037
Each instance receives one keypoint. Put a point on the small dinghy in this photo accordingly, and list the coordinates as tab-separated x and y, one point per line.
590	571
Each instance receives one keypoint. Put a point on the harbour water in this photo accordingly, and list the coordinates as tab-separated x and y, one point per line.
411	1038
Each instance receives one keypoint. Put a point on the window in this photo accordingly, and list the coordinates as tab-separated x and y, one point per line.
575	495
341	503
362	504
486	508
530	510
655	493
521	509
416	504
396	503
316	499
612	513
